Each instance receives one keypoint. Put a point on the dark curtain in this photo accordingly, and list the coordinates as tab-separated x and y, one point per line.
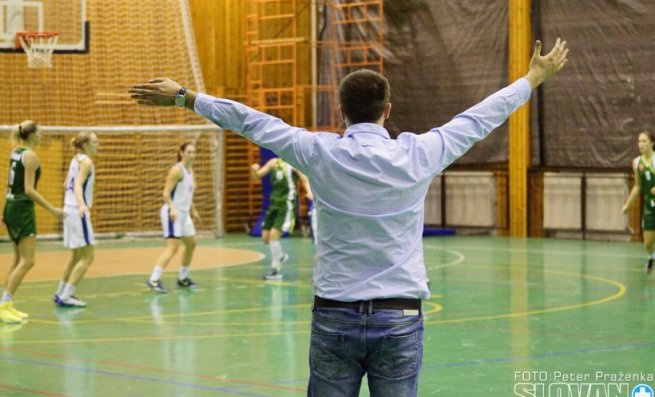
441	57
593	110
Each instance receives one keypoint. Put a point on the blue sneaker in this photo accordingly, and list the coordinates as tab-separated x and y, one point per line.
56	299
156	286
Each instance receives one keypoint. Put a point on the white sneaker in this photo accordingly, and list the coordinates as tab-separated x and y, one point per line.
72	301
284	258
273	274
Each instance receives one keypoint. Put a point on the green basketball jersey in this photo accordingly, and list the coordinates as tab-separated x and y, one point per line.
16	179
646	173
283	183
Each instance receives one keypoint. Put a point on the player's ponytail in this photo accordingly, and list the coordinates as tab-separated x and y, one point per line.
22	131
81	139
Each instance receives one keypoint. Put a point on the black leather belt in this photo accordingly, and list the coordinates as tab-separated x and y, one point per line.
370	306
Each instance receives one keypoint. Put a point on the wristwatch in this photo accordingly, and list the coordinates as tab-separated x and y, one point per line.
180	100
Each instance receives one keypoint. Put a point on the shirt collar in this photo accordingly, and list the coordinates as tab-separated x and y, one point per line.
369	128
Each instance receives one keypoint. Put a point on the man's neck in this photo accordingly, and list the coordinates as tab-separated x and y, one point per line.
380	122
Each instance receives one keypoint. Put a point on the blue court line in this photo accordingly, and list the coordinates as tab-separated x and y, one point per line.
133	377
536	356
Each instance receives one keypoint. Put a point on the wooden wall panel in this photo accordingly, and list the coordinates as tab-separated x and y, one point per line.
220	37
220	28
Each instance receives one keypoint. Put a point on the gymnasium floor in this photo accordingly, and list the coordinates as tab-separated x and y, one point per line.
499	305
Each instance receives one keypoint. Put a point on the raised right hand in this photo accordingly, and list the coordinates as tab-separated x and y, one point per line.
157	92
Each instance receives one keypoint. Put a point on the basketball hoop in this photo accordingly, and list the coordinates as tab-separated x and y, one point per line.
38	46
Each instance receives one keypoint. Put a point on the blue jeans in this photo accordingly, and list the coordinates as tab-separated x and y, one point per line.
346	344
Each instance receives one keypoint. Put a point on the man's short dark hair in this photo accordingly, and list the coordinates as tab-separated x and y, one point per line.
363	95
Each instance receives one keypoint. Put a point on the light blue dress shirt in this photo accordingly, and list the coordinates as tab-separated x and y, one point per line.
369	189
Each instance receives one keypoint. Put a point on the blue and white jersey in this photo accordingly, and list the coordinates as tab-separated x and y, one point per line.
87	185
182	194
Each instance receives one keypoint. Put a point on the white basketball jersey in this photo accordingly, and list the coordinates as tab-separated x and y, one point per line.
182	194
87	185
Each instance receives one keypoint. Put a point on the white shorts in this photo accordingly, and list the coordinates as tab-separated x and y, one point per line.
182	227
78	231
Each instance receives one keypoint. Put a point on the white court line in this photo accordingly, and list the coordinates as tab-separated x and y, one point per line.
459	255
460	258
532	251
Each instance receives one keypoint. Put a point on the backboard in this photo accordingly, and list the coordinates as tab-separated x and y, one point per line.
66	17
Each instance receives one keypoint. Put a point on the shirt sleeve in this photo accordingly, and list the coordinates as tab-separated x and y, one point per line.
292	144
446	144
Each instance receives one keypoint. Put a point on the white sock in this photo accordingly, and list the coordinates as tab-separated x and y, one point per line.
60	289
156	274
652	255
6	297
276	254
69	290
184	272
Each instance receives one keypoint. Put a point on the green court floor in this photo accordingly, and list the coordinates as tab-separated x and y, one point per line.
506	315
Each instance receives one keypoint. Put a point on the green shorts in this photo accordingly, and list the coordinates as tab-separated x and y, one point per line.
20	219
280	216
648	223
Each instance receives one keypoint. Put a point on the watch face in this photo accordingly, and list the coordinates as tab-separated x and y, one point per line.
180	100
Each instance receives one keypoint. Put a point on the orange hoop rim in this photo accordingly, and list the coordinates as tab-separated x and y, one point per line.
26	35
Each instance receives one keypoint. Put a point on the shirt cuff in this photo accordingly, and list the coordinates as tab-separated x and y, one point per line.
203	104
523	89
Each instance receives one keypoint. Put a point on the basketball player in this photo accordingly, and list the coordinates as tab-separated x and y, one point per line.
281	214
644	169
177	216
18	214
78	231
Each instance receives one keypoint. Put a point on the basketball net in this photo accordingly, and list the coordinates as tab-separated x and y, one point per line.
38	46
